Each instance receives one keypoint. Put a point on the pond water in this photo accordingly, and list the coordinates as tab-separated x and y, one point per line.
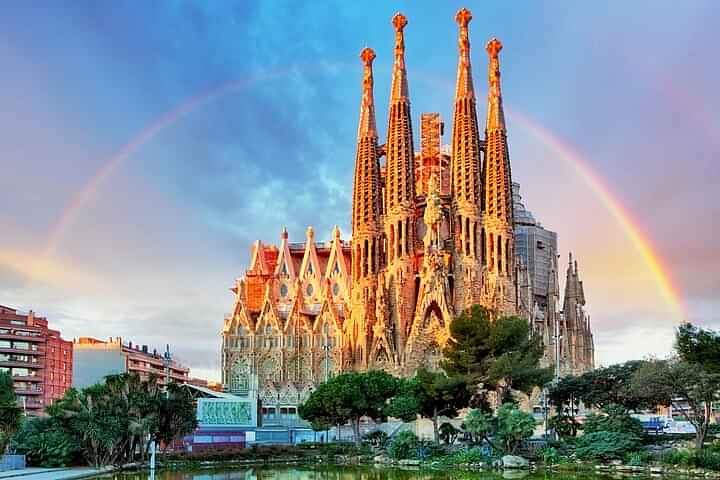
345	473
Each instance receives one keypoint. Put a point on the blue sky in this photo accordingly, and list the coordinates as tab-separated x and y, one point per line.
632	86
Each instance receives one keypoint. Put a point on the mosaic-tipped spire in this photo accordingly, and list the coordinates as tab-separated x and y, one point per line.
464	86
400	165
367	126
366	204
399	87
495	114
466	138
497	178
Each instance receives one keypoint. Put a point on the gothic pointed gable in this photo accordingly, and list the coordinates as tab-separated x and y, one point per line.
296	319
258	262
310	267
239	317
327	310
337	266
285	266
269	314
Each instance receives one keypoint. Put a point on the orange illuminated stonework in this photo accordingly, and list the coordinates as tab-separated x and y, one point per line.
432	234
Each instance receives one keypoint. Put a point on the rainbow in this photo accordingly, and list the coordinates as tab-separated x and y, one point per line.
83	196
567	153
642	242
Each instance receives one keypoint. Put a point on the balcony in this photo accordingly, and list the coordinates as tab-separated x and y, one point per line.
28	391
27	378
17	363
24	351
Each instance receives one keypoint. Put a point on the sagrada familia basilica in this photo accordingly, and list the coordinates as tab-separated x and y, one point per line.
432	234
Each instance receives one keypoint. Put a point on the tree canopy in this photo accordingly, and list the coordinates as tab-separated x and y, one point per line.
10	412
430	395
502	354
600	388
109	420
700	346
349	397
686	386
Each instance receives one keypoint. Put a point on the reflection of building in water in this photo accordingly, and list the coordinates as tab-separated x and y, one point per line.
432	234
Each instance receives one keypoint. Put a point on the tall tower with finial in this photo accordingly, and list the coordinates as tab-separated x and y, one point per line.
466	187
497	207
366	221
400	193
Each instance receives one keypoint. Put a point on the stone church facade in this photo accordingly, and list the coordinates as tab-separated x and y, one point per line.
432	234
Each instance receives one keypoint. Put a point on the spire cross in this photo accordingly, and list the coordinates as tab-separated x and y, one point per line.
463	17
367	55
493	48
399	21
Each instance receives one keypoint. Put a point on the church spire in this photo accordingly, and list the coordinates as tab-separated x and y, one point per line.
400	171
495	114
497	180
366	187
367	127
465	148
464	86
399	87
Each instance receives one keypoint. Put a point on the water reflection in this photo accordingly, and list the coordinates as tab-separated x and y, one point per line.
343	473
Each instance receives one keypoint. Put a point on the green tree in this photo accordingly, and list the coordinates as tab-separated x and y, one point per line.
10	412
111	420
614	418
502	354
697	345
685	386
513	427
349	397
479	425
430	395
601	388
177	416
45	443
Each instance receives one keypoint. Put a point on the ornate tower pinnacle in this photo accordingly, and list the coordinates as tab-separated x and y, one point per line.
495	115
366	187
400	180
466	148
367	125
399	87
464	86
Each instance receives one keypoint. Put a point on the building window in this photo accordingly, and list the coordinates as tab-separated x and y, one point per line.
283	290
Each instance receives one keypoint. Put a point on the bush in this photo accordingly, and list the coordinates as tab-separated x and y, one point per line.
403	446
377	438
46	444
615	419
606	445
465	457
638	459
706	458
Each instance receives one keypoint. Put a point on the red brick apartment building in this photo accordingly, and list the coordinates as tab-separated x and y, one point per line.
38	359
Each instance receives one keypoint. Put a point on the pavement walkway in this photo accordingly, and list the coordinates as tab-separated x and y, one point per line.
52	473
